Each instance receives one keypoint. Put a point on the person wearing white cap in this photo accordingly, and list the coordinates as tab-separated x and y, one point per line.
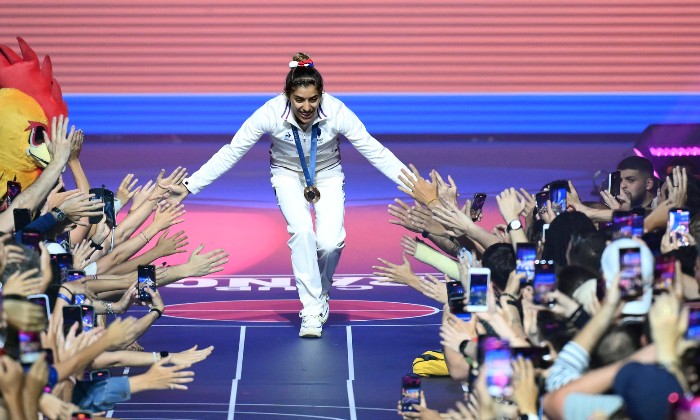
610	265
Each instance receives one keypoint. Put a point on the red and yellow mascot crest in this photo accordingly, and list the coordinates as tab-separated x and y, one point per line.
29	98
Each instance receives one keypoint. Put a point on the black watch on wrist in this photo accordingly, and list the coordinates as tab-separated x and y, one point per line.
58	214
514	225
164	354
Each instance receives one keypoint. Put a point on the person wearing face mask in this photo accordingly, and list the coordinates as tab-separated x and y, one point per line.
304	123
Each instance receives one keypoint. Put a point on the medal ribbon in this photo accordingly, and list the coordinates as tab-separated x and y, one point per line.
310	170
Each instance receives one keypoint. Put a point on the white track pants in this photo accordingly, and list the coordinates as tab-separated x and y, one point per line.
315	256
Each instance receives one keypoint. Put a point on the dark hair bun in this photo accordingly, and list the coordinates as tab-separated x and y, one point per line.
300	56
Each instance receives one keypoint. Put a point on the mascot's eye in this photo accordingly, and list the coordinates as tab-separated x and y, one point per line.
36	135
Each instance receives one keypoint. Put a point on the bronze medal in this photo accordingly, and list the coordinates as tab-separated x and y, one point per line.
312	194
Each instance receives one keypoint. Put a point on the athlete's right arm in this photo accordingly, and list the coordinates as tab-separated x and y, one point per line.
250	132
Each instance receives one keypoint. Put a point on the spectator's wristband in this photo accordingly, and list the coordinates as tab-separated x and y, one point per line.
463	347
157	311
579	318
509	296
64	297
53	377
13	297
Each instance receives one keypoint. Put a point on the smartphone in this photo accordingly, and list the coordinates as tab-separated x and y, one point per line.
62	263
627	224
693	331
72	314
73	275
107	197
410	393
679	220
545	281
81	415
29	346
539	356
456	298
526	254
99	375
477	206
88	317
614	181
22	218
13	190
42	300
147	278
499	372
31	238
479	279
631	286
541	198
557	194
664	273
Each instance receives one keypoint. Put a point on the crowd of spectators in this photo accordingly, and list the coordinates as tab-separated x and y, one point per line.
601	321
82	251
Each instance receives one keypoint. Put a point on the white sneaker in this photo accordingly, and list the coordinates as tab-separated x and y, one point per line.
311	326
325	311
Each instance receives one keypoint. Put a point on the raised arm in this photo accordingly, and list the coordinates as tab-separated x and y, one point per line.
59	146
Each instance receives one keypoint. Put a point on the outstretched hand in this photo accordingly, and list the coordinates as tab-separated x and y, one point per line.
200	265
420	189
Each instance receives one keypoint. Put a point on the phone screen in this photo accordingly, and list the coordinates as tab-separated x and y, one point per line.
664	273
63	263
43	301
499	372
22	218
526	255
545	281
614	181
73	275
478	290
680	221
410	393
72	314
631	286
147	278
693	331
13	190
541	198
557	194
107	197
29	346
81	415
455	298
109	212
627	225
88	317
477	205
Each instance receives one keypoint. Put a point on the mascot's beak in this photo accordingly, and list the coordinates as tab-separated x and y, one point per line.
40	154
